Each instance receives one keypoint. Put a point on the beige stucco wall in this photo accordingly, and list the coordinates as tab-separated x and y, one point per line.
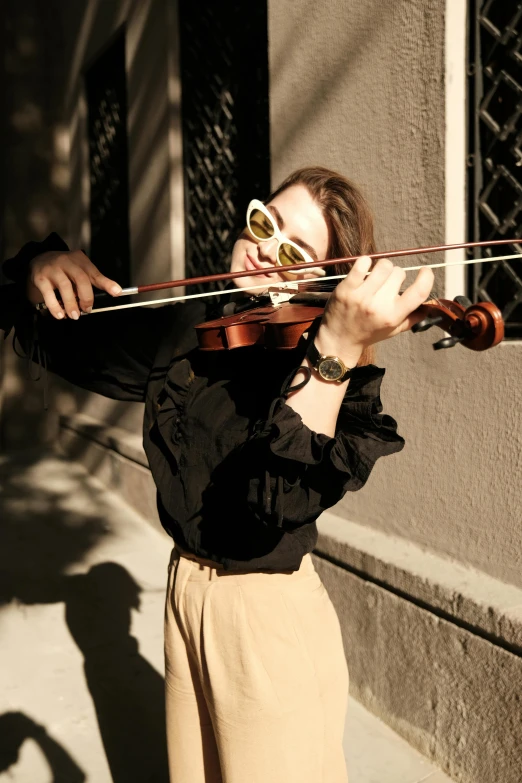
360	87
47	165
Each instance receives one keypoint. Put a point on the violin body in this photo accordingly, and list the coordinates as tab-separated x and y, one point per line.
478	327
273	326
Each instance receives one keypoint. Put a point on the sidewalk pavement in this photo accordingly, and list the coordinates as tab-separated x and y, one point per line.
82	579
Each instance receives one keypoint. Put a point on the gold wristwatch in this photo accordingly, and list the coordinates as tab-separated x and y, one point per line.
330	368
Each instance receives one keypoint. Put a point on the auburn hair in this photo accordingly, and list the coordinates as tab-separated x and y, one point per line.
348	217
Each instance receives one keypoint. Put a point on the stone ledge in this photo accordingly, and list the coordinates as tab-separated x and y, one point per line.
457	592
451	693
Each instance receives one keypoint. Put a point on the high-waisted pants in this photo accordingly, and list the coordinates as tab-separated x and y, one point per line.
256	676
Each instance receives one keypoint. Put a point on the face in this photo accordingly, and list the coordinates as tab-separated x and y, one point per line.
300	219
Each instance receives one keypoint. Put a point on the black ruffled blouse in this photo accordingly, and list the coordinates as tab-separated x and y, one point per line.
241	479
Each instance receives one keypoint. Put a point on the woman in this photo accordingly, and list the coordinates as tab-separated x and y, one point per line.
256	678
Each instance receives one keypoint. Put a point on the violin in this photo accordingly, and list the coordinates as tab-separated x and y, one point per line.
476	326
281	325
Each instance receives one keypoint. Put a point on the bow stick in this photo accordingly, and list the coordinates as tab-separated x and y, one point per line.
142	289
285	284
277	270
282	284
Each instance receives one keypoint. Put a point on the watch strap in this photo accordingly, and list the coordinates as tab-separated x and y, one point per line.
314	357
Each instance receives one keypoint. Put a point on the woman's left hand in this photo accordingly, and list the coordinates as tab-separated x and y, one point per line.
367	307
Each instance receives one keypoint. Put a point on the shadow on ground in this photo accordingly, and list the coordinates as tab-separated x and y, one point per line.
16	728
50	521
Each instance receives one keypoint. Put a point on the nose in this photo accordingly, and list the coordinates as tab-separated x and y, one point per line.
268	250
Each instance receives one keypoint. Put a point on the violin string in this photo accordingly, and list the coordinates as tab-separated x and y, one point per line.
289	283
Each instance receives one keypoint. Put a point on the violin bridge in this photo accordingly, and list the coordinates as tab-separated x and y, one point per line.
280	295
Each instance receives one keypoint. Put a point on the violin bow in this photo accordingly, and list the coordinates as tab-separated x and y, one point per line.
141	289
287	284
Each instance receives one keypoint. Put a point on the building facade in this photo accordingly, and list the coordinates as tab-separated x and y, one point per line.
418	102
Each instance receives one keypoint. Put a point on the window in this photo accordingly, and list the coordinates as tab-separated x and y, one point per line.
106	90
495	159
224	78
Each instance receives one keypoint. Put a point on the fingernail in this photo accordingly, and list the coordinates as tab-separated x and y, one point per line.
87	309
115	289
59	315
75	315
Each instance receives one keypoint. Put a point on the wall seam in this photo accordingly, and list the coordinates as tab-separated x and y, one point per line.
440	613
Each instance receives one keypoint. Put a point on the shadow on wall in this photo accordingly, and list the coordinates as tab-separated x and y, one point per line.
35	184
353	37
25	424
46	47
44	531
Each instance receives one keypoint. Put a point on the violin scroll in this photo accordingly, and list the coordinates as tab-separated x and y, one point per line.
476	326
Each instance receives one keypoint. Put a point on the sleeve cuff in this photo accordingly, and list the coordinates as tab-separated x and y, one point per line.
365	383
16	268
363	433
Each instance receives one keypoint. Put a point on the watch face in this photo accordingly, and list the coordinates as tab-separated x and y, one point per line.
330	369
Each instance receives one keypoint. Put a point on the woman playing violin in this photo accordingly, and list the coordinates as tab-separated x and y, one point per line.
256	677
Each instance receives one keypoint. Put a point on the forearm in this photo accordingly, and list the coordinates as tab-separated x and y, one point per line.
319	401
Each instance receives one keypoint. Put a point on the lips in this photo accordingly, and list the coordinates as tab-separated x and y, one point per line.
252	263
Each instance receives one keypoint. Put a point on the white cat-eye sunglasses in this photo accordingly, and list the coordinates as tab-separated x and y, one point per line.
263	227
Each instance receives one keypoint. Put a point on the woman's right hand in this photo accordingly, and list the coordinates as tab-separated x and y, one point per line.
73	275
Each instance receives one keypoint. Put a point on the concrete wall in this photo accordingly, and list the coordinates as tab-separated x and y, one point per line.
47	175
360	87
452	694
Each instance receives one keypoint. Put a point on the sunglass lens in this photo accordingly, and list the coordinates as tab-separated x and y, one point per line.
260	225
289	255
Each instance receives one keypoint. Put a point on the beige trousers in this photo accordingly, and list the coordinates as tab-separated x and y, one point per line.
256	677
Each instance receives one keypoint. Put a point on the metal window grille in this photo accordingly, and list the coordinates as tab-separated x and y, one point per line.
106	90
224	79
495	159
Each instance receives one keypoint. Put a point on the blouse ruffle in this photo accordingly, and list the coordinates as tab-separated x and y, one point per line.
308	471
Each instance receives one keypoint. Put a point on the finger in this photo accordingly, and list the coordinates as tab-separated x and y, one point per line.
51	302
84	290
391	287
415	294
67	295
102	282
377	277
357	273
410	320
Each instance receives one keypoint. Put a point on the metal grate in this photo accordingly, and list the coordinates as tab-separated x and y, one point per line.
224	78
495	160
106	89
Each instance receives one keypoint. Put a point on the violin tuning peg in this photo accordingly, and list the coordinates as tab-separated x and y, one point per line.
447	342
427	323
463	301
